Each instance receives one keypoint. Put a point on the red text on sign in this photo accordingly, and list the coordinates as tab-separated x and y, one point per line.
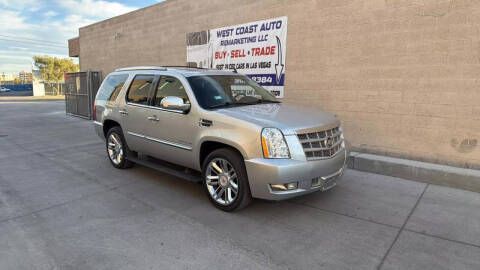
269	50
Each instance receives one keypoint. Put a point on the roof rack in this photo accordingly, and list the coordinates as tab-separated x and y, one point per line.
163	68
185	67
141	68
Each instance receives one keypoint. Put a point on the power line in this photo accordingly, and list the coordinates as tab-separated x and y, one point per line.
39	40
34	43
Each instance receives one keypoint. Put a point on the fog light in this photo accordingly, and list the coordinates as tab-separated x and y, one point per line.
291	186
284	187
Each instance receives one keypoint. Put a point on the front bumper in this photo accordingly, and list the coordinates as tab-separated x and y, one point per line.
264	172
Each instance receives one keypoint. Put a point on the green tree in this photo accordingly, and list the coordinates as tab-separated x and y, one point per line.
53	69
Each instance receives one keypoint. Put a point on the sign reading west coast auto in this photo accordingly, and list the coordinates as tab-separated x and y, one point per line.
256	49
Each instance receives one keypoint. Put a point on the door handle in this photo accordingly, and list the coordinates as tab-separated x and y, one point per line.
123	112
153	118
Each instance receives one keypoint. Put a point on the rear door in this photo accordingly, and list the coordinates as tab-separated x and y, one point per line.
136	112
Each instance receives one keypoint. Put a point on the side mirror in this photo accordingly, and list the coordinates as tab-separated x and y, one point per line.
174	104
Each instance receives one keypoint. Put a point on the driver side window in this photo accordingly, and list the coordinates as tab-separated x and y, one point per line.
170	86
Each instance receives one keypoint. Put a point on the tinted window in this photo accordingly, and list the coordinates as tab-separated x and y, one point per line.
228	90
140	89
170	86
111	87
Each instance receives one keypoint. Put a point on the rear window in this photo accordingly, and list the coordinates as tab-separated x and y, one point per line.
140	89
111	87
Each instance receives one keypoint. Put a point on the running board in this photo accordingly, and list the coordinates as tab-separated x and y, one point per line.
168	168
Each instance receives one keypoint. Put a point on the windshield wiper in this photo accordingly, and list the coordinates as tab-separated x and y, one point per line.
227	104
261	101
221	105
268	101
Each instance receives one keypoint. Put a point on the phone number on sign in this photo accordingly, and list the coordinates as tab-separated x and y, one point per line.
262	79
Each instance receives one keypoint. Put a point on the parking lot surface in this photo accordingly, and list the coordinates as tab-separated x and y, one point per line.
63	206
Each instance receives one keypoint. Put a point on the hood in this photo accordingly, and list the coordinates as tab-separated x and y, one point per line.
287	117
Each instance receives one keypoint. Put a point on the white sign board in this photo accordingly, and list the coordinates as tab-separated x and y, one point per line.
256	49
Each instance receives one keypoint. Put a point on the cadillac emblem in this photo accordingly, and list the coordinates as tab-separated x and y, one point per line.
330	142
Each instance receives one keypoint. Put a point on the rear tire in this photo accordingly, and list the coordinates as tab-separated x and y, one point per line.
225	180
117	148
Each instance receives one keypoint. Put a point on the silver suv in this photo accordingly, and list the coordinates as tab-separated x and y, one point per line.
220	128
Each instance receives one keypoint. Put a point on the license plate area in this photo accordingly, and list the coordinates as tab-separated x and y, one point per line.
326	182
329	183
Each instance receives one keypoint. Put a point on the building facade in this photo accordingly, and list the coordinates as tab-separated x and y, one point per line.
25	77
402	76
7	77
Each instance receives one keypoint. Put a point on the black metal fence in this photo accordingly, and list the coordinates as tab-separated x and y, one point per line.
55	90
80	91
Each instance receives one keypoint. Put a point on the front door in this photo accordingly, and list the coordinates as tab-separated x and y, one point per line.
174	131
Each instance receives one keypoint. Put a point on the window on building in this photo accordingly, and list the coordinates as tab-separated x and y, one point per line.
111	87
170	86
140	89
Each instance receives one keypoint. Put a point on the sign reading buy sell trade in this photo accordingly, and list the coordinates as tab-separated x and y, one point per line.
256	49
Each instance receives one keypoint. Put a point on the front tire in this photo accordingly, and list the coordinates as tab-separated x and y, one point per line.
117	148
225	180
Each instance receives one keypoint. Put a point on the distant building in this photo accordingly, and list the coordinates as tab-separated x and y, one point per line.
7	77
25	77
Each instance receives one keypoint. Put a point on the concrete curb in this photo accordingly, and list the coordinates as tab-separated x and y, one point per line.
416	170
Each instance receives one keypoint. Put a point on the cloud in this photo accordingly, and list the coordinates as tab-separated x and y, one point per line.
20	59
36	27
29	54
21	40
50	13
18	48
20	4
96	9
8	67
85	12
12	21
67	27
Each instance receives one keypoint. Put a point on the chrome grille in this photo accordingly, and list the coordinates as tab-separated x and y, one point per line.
322	144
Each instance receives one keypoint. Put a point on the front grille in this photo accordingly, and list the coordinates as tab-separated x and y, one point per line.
321	144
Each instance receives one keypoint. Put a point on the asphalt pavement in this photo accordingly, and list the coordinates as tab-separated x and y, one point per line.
63	206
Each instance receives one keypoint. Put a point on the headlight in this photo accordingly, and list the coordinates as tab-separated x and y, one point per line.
273	144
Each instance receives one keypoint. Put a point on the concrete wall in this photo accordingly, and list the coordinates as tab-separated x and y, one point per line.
37	84
403	76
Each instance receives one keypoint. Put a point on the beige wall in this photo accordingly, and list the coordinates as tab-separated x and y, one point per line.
74	47
403	76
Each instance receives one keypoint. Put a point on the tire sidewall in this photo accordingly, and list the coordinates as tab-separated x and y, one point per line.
118	131
243	186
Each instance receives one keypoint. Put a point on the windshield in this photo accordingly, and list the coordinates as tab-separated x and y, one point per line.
214	91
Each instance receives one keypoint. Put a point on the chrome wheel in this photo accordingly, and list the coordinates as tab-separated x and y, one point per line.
222	181
115	149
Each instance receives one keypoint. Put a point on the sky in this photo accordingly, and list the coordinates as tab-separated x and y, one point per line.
43	27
